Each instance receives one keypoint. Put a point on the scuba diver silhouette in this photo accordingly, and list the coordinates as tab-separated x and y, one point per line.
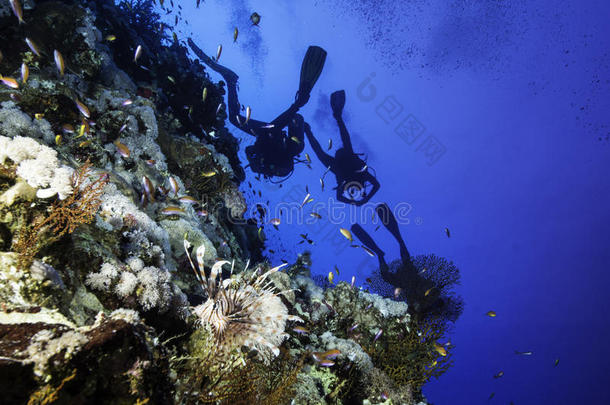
420	293
275	149
351	172
389	221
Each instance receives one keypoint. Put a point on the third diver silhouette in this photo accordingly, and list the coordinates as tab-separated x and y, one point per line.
421	293
353	177
274	150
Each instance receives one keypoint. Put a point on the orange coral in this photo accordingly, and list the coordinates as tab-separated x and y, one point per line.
64	216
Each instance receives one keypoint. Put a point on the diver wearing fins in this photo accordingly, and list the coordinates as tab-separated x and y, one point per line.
389	221
275	149
351	172
421	296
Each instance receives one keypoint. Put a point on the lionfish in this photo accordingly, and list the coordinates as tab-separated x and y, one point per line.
241	312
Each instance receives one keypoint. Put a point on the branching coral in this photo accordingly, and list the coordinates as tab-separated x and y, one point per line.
233	378
65	215
241	313
428	284
411	358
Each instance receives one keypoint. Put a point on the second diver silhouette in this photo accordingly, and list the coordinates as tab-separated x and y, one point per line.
275	149
355	184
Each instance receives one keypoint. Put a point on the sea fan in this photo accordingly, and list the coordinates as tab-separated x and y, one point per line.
241	312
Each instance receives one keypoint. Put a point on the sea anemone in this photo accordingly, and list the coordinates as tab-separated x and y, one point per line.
241	311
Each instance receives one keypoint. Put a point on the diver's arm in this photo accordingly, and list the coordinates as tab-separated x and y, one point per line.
234	107
324	158
368	178
236	118
342	198
373	180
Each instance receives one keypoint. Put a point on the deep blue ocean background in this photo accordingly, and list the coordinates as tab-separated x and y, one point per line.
515	96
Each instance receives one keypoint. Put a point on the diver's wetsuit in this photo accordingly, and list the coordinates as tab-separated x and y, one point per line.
348	168
274	150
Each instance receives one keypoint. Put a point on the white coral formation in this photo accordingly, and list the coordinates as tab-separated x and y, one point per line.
348	348
151	286
387	307
38	165
116	208
242	312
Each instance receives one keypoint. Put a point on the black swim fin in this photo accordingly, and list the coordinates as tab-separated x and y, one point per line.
337	102
311	68
389	221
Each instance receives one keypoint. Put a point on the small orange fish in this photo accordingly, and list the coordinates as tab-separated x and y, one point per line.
25	73
305	200
122	149
17	10
59	62
32	45
330	354
346	233
187	199
81	131
148	186
82	108
300	330
248	113
9	82
491	314
440	349
275	221
368	251
173	184
172	211
137	54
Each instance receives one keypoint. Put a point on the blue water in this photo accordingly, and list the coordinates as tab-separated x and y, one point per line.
516	96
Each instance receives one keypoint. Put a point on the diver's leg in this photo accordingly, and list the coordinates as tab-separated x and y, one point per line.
389	221
345	138
337	102
368	241
227	74
324	158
